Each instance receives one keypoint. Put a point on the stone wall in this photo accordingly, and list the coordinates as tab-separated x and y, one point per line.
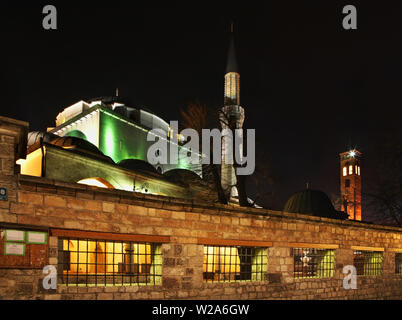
40	203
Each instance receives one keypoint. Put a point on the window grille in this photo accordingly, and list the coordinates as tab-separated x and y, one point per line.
224	263
398	263
107	263
313	263
368	263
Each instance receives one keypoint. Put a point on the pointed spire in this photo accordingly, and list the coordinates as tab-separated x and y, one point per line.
232	62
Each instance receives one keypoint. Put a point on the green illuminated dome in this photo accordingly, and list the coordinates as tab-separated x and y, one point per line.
313	202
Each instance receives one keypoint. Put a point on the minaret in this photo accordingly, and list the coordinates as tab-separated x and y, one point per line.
231	117
351	184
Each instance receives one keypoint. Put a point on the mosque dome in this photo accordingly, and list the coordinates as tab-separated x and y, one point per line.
138	165
313	202
184	177
80	145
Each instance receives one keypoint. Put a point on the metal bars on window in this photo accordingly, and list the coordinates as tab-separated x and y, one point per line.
313	263
86	262
226	263
368	263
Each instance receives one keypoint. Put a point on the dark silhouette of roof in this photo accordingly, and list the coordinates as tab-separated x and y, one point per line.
232	62
138	165
313	202
79	145
184	177
111	100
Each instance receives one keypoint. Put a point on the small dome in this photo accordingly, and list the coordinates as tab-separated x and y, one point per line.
78	144
184	177
137	165
313	202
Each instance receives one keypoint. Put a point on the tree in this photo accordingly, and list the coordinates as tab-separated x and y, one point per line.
198	116
384	187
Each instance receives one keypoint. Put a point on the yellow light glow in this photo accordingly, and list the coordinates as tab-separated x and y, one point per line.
96	182
350	169
223	259
20	161
105	257
32	166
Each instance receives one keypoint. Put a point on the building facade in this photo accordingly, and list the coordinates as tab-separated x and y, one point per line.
113	244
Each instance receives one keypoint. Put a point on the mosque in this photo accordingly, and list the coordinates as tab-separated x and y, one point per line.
83	199
103	142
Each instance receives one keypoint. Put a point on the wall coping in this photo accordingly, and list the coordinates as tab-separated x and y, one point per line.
177	204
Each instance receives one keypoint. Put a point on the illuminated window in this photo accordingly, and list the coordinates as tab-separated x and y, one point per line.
345	172
313	263
368	263
96	182
398	263
107	263
358	170
350	169
222	263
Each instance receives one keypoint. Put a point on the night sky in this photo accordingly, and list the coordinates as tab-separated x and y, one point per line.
310	88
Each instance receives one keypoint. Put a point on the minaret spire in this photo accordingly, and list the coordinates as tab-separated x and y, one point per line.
232	61
231	117
232	76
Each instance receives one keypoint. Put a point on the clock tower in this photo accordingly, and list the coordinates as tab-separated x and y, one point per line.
351	184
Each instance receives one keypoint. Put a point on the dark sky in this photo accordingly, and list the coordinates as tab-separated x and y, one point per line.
310	88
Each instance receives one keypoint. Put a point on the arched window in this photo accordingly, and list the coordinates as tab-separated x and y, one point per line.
96	182
350	169
358	170
345	172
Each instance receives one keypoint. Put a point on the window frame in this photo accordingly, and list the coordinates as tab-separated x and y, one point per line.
148	274
327	269
368	267
251	266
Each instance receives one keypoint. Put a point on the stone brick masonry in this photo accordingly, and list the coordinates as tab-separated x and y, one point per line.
52	204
